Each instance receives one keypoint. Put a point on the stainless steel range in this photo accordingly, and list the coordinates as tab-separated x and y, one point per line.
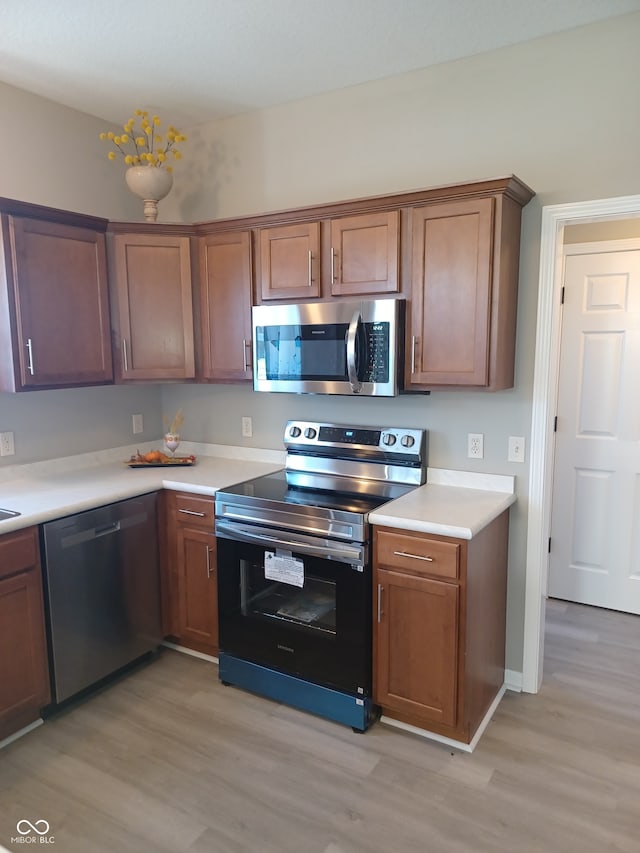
294	568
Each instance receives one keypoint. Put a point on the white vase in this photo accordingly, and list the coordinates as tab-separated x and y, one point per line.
150	183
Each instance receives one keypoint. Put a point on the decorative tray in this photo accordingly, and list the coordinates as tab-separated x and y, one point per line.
175	462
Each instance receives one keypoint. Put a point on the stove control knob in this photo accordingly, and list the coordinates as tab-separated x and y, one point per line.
407	441
389	439
309	432
295	431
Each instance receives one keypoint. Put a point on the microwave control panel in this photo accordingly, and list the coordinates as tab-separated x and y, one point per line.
377	349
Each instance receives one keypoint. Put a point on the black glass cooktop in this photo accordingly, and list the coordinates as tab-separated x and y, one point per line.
274	487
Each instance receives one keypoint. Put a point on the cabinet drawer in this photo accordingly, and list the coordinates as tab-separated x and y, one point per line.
18	551
417	554
194	509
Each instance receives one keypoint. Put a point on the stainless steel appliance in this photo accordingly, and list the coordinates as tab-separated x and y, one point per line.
101	592
329	347
294	567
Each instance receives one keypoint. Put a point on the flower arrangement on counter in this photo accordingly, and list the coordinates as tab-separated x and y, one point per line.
145	145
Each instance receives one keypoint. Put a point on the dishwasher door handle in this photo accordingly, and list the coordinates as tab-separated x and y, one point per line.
107	530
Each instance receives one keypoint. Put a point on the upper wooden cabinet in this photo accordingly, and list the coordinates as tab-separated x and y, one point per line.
463	293
290	261
225	296
340	256
54	308
152	303
364	254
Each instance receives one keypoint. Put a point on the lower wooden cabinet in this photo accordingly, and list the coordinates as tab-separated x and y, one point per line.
24	670
439	627
190	595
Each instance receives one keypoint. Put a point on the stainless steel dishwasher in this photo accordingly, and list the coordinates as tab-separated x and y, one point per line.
102	592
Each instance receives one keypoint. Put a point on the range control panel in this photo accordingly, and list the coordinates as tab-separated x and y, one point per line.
314	435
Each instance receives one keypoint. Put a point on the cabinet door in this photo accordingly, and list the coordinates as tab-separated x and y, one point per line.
364	254
225	303
197	589
62	331
416	665
24	674
448	338
154	306
290	261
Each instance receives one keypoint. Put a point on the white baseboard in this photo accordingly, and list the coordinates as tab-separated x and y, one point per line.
513	680
455	744
185	651
20	733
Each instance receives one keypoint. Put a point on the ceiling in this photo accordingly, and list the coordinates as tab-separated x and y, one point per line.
193	61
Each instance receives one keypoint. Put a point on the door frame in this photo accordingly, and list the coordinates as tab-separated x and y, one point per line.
544	396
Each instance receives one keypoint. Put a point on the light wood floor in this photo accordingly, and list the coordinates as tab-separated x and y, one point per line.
170	760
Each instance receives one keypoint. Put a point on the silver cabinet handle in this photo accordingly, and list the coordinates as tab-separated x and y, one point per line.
125	361
208	562
192	512
413	354
380	611
310	268
29	346
333	267
413	556
245	363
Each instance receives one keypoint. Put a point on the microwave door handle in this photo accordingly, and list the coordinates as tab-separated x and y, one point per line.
352	365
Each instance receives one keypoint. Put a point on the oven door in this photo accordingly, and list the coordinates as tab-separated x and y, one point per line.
319	631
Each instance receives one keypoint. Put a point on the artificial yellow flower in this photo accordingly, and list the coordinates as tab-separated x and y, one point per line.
142	145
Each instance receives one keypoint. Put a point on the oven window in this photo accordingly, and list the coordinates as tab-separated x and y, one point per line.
310	608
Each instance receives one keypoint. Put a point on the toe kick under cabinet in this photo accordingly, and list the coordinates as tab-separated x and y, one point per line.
439	627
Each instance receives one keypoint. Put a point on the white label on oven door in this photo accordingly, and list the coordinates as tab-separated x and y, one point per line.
286	569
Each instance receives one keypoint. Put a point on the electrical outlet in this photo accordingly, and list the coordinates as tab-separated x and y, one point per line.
247	427
516	448
7	447
475	445
137	423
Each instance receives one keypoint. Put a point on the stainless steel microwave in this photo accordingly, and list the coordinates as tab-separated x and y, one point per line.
329	347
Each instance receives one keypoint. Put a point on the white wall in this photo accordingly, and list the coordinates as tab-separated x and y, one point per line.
559	112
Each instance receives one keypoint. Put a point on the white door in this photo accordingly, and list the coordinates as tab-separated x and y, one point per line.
595	524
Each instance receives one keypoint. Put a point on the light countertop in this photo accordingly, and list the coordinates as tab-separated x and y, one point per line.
452	503
48	490
457	511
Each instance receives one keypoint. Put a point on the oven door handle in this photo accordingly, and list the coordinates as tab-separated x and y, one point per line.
262	536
